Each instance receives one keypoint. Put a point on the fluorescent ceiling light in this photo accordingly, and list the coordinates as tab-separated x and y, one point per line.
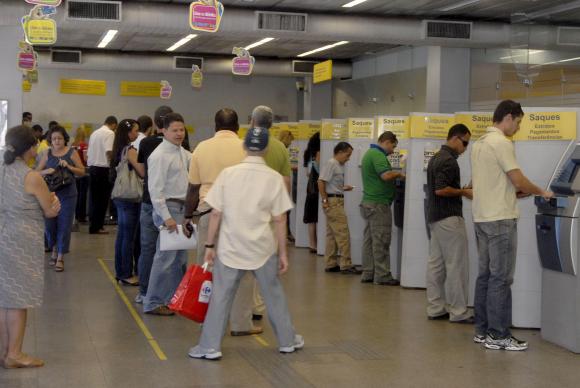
328	47
353	3
181	42
258	43
107	38
555	10
531	52
458	5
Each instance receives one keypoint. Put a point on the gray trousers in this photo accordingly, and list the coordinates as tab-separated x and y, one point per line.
225	284
448	269
376	254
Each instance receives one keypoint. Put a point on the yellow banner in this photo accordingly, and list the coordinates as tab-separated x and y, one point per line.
26	86
540	126
334	130
275	129
140	89
399	125
322	72
243	131
361	128
293	128
431	126
83	86
40	31
476	122
306	130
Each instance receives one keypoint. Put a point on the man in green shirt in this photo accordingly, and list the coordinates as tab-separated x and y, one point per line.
378	193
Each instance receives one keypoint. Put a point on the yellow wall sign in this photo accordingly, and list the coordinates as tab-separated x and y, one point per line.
40	31
361	128
26	86
293	128
83	86
306	130
399	125
322	72
275	130
541	126
477	122
334	130
431	126
140	89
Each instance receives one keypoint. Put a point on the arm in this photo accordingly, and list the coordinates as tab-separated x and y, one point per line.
157	171
78	169
42	164
524	186
392	175
322	191
191	203
214	223
280	228
132	158
35	185
452	192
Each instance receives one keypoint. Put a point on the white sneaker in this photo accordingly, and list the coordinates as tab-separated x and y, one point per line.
298	344
205	354
139	298
508	343
479	338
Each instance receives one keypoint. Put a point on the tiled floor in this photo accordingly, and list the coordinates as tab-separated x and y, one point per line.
356	335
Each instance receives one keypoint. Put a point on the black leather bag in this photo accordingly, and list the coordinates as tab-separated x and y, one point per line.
59	179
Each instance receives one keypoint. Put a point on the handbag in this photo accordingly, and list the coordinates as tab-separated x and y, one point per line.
177	241
128	186
192	297
59	179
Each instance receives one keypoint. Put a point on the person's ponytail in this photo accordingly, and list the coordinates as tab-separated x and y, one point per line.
9	155
19	139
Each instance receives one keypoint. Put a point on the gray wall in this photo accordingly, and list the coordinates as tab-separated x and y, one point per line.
10	76
197	107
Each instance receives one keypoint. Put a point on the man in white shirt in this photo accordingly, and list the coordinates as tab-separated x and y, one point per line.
167	172
98	161
249	203
497	183
145	124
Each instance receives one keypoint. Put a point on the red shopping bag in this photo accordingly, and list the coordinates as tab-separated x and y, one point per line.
192	297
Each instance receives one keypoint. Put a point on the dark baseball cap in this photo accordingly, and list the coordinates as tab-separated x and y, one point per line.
256	139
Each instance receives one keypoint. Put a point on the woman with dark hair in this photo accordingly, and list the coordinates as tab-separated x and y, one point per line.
61	156
24	198
127	210
312	164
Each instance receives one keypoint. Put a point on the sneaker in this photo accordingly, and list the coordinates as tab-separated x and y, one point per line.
350	271
204	354
508	343
139	298
161	310
298	344
479	338
333	269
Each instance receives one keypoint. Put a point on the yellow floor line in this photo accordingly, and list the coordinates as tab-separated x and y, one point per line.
152	342
261	341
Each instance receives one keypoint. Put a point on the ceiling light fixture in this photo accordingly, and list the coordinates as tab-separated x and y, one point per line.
353	3
258	43
181	42
107	38
323	48
458	5
554	10
531	52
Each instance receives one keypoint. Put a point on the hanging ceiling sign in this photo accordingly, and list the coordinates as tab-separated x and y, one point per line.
52	3
27	58
166	89
205	15
243	63
196	77
38	28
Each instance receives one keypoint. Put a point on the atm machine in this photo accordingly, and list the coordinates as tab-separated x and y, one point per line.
558	237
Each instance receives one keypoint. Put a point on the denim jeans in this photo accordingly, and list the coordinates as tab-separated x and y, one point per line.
497	247
127	219
58	229
149	234
168	267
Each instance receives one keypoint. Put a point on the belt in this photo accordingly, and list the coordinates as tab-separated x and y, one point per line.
335	195
175	200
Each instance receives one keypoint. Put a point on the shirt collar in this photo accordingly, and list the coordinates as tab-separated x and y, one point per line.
453	153
171	145
378	147
225	133
495	130
254	160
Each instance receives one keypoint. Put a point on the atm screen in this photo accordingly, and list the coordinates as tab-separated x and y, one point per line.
569	173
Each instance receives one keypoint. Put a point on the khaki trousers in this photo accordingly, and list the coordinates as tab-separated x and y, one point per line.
337	235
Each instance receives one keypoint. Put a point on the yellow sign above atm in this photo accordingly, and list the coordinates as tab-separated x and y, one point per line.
306	130
431	126
399	125
477	122
334	130
361	128
541	126
322	72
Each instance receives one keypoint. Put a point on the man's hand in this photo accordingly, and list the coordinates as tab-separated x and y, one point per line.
467	193
209	256
347	187
283	264
187	227
402	176
547	195
171	225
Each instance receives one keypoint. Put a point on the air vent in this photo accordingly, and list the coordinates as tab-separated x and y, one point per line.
569	36
187	62
93	10
281	21
303	67
65	56
447	30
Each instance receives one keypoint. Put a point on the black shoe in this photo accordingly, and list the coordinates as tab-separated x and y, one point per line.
257	317
350	271
466	321
390	282
366	280
439	317
332	269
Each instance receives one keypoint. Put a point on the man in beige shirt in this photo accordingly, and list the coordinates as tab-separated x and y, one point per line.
497	183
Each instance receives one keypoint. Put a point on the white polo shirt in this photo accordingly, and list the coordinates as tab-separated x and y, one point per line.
248	195
100	142
494	196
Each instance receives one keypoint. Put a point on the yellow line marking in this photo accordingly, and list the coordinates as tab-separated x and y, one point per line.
152	342
260	340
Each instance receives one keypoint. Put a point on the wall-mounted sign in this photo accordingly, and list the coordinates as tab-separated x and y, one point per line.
243	63
52	3
306	130
361	128
196	77
322	72
399	125
431	126
398	158
541	126
334	130
83	86
140	89
205	15
166	89
275	130
26	57
477	122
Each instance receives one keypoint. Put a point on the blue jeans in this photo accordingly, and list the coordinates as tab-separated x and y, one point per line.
168	267
127	219
497	246
58	229
149	234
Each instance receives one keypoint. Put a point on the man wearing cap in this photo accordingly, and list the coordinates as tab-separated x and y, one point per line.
249	203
